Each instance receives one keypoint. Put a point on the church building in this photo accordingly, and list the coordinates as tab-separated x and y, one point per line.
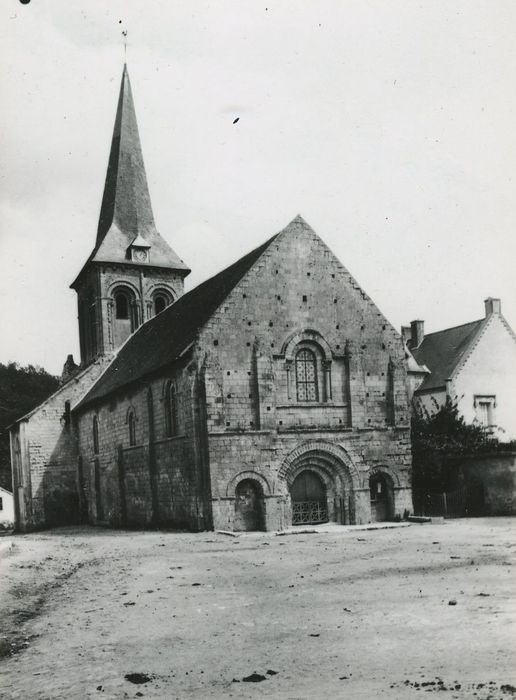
272	395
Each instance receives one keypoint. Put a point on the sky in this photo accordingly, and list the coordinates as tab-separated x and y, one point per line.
389	126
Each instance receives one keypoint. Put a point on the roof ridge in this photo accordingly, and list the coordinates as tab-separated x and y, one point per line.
452	328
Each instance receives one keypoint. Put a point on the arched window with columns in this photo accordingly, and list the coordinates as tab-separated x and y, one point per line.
308	365
306	376
125	313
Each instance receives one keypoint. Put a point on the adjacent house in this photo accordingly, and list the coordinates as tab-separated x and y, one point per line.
474	364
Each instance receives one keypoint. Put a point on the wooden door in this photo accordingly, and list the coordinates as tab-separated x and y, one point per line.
248	507
380	499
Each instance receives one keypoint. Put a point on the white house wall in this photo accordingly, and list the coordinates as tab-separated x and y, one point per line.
490	370
7	511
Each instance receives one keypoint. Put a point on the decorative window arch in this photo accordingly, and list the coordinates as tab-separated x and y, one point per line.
307	388
308	373
161	298
171	409
125	305
131	421
95	432
122	304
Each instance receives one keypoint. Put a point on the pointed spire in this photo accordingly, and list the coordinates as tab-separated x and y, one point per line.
126	201
126	217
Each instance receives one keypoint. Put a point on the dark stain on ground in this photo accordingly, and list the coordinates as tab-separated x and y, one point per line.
438	686
137	678
254	678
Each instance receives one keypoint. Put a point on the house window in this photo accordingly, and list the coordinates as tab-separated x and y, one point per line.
132	429
171	409
484	408
95	435
306	375
1	503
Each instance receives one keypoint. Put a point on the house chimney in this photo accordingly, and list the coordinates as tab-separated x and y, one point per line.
406	334
417	332
493	306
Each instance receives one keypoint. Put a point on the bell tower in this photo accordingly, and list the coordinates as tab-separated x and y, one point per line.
132	273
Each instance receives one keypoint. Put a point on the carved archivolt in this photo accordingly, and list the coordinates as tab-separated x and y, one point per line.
248	474
329	460
310	335
391	476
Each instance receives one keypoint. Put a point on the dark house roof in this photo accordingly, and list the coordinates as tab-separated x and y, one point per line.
442	351
126	212
163	339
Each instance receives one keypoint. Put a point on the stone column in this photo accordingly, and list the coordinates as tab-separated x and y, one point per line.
327	380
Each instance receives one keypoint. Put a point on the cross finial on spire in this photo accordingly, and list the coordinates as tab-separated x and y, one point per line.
124	34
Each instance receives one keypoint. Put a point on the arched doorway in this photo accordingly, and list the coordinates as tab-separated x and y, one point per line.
381	498
248	506
309	502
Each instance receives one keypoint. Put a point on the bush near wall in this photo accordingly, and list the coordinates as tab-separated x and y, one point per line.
439	438
21	390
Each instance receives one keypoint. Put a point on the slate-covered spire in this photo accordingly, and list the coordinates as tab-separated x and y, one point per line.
126	201
126	220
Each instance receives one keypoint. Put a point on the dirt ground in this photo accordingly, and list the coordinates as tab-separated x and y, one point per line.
394	613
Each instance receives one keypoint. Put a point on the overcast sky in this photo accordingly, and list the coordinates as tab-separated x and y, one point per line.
390	126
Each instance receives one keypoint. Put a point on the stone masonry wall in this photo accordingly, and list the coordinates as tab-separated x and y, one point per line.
45	463
298	293
97	289
240	417
155	482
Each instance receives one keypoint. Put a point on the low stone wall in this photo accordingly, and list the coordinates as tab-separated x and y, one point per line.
497	474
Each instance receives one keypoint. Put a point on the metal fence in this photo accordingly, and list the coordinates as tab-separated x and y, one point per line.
451	504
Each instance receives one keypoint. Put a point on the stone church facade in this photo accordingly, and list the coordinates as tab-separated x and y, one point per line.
271	395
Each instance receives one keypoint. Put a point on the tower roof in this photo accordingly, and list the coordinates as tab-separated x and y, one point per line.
126	210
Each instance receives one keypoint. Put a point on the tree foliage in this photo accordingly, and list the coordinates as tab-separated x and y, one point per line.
438	437
21	390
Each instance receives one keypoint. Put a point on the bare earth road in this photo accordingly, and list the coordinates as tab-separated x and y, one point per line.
84	613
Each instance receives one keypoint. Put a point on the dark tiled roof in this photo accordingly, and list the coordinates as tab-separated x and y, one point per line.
126	210
162	339
442	351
